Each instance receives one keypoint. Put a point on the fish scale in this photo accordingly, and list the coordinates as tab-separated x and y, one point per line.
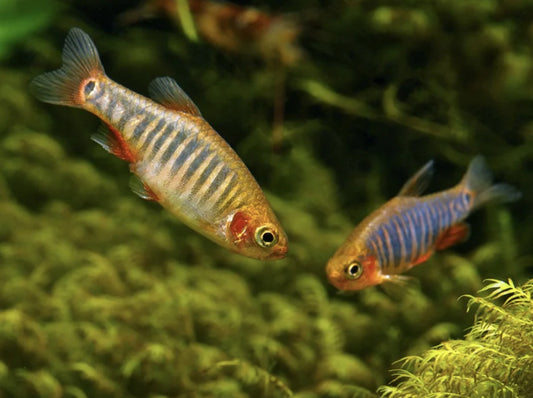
180	161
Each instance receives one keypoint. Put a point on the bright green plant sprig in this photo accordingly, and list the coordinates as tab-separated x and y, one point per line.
494	360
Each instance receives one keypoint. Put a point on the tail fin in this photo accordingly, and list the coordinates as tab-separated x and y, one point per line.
65	86
478	180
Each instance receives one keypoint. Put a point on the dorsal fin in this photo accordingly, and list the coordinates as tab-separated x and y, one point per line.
166	91
418	183
111	140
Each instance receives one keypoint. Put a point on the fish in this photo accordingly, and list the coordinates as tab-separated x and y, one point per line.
178	159
232	27
409	228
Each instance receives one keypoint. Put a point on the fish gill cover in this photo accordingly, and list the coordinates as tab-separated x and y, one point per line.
104	295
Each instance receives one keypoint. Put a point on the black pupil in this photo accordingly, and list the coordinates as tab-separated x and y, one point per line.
353	269
268	237
89	87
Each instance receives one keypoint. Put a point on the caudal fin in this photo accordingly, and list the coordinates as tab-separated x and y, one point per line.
68	85
478	180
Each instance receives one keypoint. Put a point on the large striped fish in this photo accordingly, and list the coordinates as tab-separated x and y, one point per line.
180	161
406	230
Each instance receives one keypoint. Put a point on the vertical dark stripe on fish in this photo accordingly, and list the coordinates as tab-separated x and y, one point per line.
94	100
380	240
434	221
396	242
412	228
458	206
141	127
221	203
205	174
465	198
375	242
405	239
183	155
108	112
418	218
442	215
375	249
197	162
165	134
219	178
450	210
170	149
151	134
124	118
388	246
426	232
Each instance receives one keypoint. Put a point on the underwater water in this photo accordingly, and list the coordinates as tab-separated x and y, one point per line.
104	294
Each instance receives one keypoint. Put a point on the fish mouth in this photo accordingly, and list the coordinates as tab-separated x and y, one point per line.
278	253
335	279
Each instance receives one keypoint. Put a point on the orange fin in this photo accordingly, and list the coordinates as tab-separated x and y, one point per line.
169	94
423	258
142	190
455	234
111	140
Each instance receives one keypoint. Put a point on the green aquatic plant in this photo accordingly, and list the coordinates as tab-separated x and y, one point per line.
106	295
494	360
19	18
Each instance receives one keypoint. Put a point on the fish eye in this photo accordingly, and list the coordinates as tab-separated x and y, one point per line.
89	87
353	270
266	236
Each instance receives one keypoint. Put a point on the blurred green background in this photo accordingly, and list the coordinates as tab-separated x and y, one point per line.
106	295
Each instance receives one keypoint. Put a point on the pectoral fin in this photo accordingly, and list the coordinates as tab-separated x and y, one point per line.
455	234
142	190
111	140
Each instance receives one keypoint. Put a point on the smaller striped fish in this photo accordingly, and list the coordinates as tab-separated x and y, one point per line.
179	160
406	230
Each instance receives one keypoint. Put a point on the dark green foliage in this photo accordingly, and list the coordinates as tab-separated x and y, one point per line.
18	18
105	295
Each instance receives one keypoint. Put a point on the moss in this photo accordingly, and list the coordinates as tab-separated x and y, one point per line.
106	295
493	360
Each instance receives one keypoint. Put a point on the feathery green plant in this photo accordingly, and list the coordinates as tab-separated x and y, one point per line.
494	360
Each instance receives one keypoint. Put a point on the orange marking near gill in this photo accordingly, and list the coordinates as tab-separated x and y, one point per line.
239	227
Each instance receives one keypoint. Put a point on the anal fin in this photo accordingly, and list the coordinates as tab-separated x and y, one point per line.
455	234
111	140
423	258
142	190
